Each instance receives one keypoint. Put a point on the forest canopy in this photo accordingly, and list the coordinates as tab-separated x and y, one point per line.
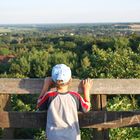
33	53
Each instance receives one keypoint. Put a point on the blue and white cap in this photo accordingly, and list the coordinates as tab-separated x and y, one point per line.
61	72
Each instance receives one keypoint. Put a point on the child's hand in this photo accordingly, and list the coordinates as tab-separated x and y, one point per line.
87	84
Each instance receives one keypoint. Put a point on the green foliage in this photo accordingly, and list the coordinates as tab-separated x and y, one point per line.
39	64
4	68
86	134
20	66
123	103
4	51
22	133
68	58
18	104
23	102
41	135
125	134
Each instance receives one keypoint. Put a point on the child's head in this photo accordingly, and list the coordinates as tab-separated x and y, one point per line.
61	75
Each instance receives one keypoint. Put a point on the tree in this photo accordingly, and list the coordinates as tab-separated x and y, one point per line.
19	66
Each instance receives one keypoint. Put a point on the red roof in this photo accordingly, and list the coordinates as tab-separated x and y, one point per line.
6	57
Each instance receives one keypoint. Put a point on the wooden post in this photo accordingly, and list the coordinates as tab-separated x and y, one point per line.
99	103
8	133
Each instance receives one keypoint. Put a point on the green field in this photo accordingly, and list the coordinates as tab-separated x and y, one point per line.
3	30
11	29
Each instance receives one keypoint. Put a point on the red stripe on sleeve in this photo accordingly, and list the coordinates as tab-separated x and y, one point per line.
42	99
83	101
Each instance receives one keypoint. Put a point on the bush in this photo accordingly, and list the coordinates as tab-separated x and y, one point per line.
123	103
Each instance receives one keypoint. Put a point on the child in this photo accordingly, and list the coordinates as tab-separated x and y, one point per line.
62	105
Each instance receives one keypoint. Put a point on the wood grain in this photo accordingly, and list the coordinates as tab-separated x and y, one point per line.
94	119
100	86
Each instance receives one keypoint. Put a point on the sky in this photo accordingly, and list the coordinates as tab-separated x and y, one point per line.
68	11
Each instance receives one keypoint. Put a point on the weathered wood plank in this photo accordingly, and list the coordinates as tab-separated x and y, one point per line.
96	119
5	105
100	86
99	103
20	86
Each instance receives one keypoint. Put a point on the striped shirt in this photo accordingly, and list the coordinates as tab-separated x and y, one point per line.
62	117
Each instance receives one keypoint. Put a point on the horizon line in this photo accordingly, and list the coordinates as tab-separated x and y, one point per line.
111	22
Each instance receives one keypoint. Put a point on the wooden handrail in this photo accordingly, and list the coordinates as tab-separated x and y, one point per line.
100	119
100	86
94	119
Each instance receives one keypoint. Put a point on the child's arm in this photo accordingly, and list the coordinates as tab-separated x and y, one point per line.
47	84
87	84
41	104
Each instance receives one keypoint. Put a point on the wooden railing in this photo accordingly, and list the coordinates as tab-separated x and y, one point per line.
98	118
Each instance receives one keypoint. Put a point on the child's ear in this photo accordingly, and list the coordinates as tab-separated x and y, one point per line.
70	80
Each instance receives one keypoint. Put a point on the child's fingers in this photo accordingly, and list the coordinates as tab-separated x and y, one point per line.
87	82
83	82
